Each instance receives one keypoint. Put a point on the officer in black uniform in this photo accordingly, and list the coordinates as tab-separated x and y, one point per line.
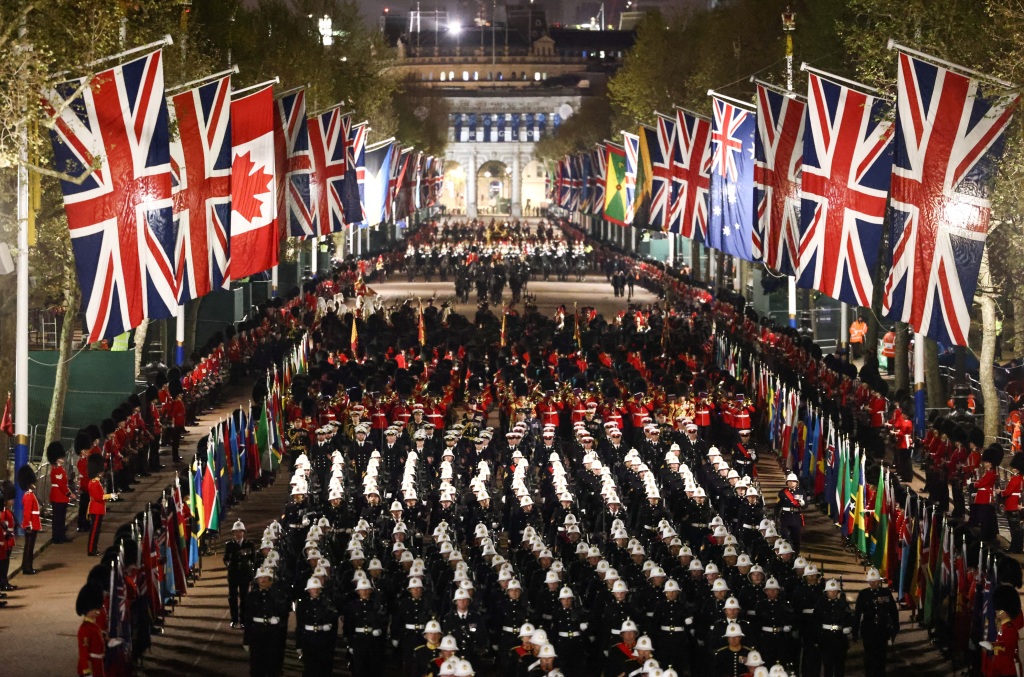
467	626
510	614
240	562
365	628
774	617
835	625
789	511
570	634
410	617
266	625
875	618
316	630
730	658
671	625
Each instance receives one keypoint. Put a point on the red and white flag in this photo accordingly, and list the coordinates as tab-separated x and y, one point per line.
253	242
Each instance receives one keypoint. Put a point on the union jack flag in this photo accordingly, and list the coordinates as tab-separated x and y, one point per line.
201	186
847	161
732	180
597	167
632	146
328	136
120	217
778	154
354	183
576	183
399	171
662	170
586	182
294	165
949	138
692	175
416	186
563	183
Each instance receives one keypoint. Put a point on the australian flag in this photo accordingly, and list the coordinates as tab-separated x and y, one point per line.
732	180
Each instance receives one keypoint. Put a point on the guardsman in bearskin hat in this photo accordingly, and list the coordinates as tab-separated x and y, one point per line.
60	492
97	502
30	517
983	512
92	638
1011	499
7	525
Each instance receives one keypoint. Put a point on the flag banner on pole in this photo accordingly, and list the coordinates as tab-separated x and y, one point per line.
399	186
598	164
295	213
664	217
328	135
575	183
647	148
692	175
378	173
631	144
355	176
615	184
778	155
949	140
847	162
732	180
253	186
201	186
586	182
120	217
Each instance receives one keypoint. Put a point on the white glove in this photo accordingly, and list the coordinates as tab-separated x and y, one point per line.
298	652
394	643
246	647
116	642
987	646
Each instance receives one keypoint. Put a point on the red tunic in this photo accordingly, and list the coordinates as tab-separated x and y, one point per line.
986	489
30	512
1012	492
97	504
59	492
1002	660
91	648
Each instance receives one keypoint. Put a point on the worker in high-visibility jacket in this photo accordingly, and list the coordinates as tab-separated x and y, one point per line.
889	351
858	332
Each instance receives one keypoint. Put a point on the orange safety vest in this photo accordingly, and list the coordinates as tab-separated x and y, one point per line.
858	330
889	344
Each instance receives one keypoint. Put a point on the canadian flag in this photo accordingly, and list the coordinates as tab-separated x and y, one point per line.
253	241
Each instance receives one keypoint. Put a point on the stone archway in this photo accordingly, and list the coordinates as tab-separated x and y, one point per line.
453	194
494	188
534	191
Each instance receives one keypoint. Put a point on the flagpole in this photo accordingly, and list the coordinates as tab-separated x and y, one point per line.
260	85
179	336
200	81
21	332
964	70
919	391
746	105
315	245
835	78
165	41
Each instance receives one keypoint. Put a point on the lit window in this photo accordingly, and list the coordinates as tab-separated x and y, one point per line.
476	75
602	53
442	76
536	76
465	76
451	75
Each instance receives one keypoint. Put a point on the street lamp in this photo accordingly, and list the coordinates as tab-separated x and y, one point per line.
788	26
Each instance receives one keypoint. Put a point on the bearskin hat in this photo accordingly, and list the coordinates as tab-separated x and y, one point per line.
55	450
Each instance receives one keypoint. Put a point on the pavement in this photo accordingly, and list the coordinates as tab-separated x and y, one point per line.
198	639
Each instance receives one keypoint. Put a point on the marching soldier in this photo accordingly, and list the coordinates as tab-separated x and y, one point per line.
266	625
240	562
789	511
1011	499
316	630
834	626
365	628
876	618
425	654
408	622
569	628
730	659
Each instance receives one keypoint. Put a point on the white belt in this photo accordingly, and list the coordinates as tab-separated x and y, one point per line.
570	634
766	628
365	631
97	656
273	620
837	628
616	632
672	628
316	628
409	626
698	525
509	628
807	611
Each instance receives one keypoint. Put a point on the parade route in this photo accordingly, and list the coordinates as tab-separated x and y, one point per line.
39	625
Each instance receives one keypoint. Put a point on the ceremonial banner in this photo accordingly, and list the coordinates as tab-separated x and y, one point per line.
615	184
949	140
355	175
662	176
121	216
732	180
598	161
778	154
201	186
692	175
295	212
253	238
846	166
631	144
647	147
328	136
378	172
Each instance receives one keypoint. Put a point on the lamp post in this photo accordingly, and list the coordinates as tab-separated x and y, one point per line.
788	26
